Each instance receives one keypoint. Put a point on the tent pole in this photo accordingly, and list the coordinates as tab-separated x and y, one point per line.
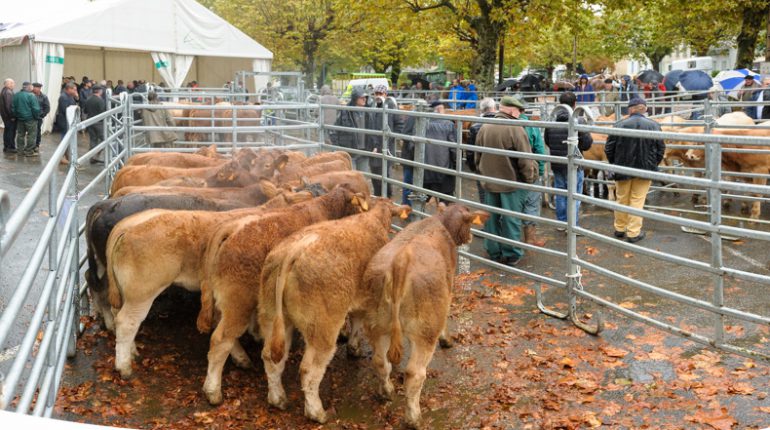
104	63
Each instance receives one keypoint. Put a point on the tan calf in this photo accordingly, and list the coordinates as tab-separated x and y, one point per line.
408	288
233	263
311	281
151	250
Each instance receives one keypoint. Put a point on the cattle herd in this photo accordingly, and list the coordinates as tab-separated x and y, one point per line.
275	241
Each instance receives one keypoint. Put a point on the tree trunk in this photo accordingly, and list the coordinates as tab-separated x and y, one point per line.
753	15
484	63
501	60
656	56
395	72
767	37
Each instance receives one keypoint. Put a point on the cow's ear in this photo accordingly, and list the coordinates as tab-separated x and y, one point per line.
281	162
476	217
268	188
404	211
360	201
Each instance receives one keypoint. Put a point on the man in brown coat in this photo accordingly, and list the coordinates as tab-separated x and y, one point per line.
509	167
158	118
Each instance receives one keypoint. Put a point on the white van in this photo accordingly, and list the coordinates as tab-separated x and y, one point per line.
696	63
365	83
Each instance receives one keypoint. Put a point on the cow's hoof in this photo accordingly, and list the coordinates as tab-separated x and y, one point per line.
125	372
414	423
446	342
214	397
280	401
385	393
319	417
355	351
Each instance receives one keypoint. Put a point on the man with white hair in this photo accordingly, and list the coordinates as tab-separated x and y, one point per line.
6	113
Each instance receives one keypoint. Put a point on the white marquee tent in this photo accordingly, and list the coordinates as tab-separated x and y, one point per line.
175	41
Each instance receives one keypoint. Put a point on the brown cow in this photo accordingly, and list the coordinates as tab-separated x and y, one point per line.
355	180
244	169
151	250
174	159
409	283
308	170
311	281
233	286
249	195
221	118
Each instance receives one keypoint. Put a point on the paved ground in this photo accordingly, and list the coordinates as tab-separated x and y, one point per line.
512	367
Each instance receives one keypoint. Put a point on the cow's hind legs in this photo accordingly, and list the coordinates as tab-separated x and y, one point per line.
240	357
127	322
422	352
354	347
222	341
382	366
317	356
276	396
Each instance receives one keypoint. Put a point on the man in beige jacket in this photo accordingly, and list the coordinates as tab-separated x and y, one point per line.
158	118
509	167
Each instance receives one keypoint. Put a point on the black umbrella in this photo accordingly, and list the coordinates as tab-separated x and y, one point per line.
649	75
532	82
671	79
508	83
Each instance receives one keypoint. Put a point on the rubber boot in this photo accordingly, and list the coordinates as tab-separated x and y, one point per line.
530	236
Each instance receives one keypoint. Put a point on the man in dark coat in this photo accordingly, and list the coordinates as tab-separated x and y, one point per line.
119	88
45	109
351	139
643	153
556	140
438	155
67	98
6	113
93	107
374	143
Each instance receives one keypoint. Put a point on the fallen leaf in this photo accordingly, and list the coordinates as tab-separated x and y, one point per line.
611	351
765	409
568	362
590	250
717	419
611	409
590	419
627	305
740	388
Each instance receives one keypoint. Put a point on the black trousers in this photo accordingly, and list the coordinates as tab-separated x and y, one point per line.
9	135
39	126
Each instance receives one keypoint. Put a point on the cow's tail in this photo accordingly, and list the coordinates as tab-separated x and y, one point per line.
206	314
278	337
394	288
114	288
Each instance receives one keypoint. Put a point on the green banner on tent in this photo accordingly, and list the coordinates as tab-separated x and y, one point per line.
161	64
54	59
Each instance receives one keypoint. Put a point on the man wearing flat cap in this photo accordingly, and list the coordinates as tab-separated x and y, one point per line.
512	138
45	109
26	110
644	153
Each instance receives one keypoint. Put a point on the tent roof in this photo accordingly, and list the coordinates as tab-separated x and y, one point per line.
174	26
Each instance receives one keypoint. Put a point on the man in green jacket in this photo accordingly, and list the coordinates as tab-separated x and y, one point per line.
534	198
509	167
26	110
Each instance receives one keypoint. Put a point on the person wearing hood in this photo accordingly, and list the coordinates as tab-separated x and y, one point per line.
374	142
628	91
158	118
584	90
352	139
556	140
512	138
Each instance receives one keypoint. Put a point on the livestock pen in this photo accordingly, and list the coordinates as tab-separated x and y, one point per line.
700	288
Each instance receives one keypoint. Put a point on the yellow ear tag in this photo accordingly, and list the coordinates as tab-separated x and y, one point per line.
231	177
476	220
404	214
364	204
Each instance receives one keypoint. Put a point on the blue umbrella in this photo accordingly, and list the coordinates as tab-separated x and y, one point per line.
732	80
695	80
671	79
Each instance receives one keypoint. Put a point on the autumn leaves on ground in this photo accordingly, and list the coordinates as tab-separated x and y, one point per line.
511	368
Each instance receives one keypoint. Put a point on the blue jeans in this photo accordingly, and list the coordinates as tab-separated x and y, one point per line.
533	202
560	182
409	179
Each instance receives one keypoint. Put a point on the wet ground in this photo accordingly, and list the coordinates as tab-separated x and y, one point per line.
511	368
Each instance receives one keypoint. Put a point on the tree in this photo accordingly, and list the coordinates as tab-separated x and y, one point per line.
753	15
479	23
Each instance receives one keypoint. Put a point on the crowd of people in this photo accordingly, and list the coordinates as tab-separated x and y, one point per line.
461	93
640	153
